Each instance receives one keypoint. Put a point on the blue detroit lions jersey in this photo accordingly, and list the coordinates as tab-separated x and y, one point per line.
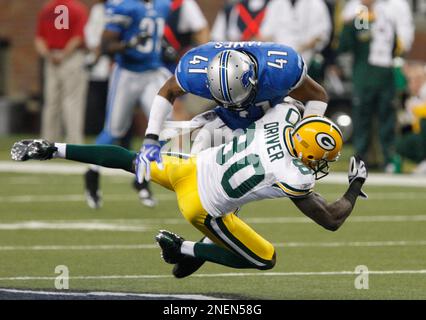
131	18
280	68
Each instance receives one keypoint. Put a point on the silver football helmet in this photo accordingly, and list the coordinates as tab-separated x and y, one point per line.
232	79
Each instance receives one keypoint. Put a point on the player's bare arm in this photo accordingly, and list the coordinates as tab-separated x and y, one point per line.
309	89
313	94
329	215
41	47
162	106
111	43
332	215
171	90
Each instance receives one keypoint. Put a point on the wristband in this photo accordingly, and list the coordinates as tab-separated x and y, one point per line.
353	191
161	107
151	136
315	107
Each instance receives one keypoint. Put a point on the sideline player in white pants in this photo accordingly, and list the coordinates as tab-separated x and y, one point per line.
133	35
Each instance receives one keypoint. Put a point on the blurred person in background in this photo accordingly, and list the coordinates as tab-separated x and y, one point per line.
132	35
412	143
60	42
99	66
186	27
324	66
239	20
304	25
375	32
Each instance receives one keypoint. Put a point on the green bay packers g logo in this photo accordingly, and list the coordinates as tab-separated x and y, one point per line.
325	141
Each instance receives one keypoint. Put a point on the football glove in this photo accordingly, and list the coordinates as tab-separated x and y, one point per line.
357	171
150	151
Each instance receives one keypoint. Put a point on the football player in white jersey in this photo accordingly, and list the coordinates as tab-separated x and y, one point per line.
277	156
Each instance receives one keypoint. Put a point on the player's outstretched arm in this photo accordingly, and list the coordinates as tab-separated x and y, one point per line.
161	107
332	215
103	155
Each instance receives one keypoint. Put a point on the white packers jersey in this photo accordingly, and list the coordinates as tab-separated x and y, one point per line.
259	164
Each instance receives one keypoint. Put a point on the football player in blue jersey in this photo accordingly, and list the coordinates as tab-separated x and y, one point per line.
132	34
245	79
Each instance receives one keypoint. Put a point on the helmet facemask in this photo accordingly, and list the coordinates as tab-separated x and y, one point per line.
320	167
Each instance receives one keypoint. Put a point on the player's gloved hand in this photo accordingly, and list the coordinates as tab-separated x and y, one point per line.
136	40
357	171
150	151
168	53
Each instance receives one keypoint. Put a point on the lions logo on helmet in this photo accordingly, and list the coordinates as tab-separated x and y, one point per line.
231	79
317	141
246	77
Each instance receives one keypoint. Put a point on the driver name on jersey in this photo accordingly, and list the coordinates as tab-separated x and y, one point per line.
280	69
135	18
259	164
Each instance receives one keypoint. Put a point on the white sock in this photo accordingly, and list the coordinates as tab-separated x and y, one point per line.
206	240
94	167
187	248
61	152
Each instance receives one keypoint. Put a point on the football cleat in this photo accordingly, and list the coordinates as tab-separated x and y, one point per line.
38	149
144	194
187	266
170	244
93	194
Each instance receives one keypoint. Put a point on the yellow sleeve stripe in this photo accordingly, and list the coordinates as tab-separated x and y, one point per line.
288	143
292	192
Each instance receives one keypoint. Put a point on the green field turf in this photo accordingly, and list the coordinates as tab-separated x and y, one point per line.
125	257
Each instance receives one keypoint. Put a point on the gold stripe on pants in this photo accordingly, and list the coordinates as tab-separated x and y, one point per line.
180	175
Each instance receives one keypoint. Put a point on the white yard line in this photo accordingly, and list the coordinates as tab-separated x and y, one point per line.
360	219
140	225
53	167
78	198
111	294
408	196
219	275
392	243
80	247
380	179
37	180
71	225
